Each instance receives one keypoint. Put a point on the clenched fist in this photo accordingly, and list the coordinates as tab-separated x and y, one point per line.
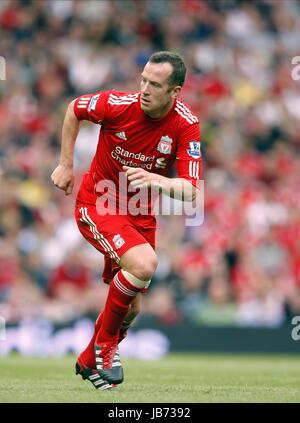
63	178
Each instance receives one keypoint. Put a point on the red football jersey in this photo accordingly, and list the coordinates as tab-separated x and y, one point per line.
129	137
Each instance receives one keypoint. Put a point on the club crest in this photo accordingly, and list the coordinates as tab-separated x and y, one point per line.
118	241
165	145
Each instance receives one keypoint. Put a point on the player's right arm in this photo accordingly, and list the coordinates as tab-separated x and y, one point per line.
63	174
91	107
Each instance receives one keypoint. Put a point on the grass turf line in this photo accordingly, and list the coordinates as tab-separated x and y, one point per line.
198	378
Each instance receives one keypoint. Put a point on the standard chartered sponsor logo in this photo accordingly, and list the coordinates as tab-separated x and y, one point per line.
161	163
138	156
121	156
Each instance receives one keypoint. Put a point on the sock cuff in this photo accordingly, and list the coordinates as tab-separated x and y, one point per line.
137	283
124	285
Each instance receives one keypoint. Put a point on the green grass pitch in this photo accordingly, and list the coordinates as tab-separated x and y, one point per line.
196	378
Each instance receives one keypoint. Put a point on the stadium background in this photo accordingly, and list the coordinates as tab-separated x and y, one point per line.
231	283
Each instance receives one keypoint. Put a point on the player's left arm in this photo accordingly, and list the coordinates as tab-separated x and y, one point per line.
189	168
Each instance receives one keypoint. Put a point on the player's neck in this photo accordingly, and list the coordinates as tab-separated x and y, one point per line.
159	114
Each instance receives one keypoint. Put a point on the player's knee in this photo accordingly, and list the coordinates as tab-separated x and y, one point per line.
144	269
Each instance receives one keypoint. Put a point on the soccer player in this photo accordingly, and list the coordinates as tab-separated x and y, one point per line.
142	134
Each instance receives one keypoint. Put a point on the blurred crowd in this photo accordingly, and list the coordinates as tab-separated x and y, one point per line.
242	265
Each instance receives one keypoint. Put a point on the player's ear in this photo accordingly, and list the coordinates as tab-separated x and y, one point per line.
176	91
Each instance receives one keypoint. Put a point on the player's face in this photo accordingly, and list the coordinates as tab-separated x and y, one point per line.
157	95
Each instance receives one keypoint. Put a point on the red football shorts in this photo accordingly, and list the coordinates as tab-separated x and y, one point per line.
113	235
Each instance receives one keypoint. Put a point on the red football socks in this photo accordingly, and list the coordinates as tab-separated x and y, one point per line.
121	293
87	357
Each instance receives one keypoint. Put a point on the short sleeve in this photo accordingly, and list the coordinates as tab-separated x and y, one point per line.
91	107
188	155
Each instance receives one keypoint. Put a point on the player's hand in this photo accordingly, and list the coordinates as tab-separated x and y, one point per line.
63	178
138	177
